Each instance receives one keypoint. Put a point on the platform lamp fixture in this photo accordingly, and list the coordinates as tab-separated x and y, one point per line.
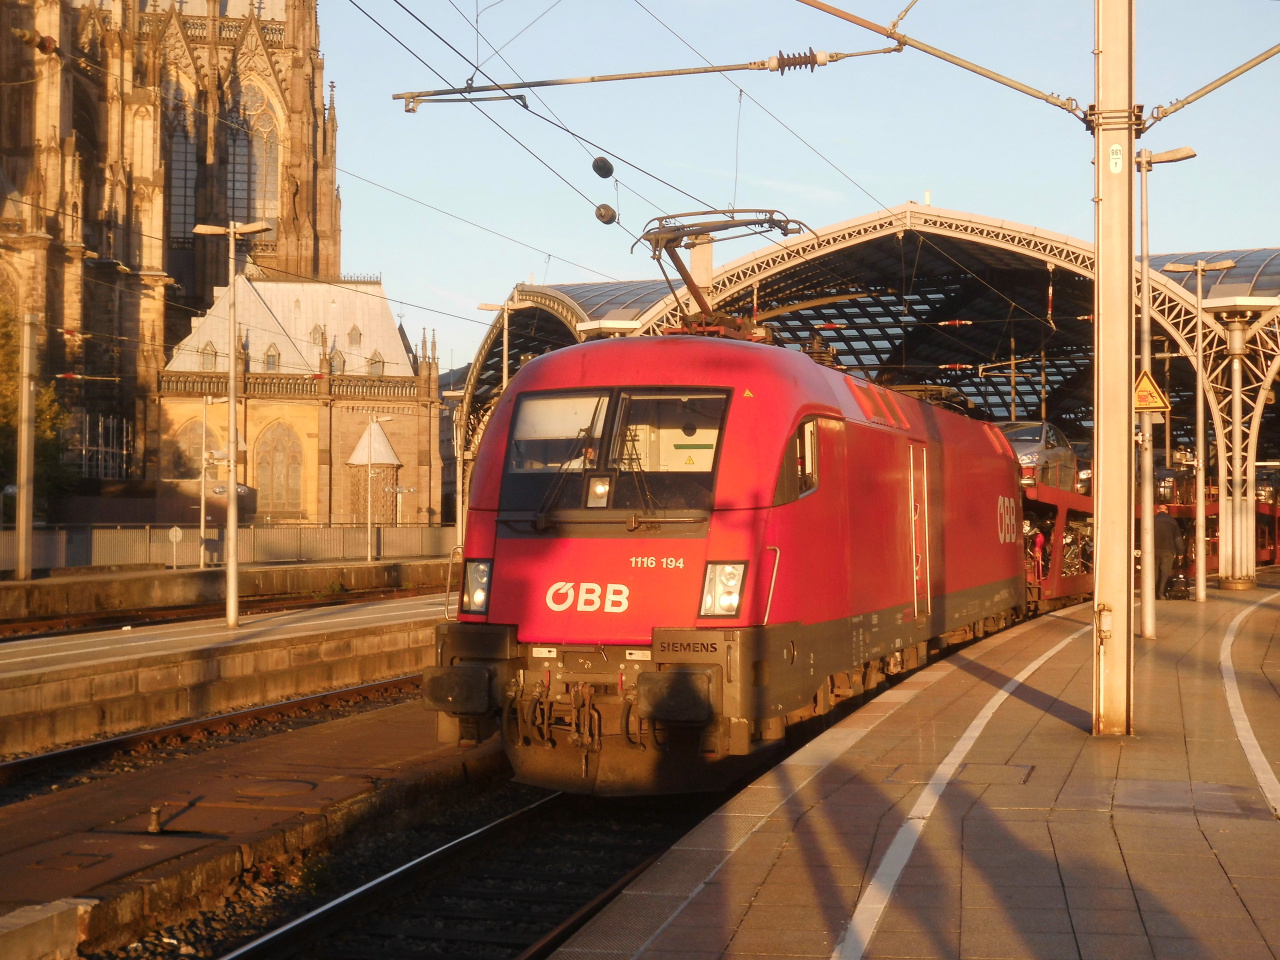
1200	268
233	232
1144	161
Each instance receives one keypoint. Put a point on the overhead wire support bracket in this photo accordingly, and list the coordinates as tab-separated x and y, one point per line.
1159	113
518	98
1068	104
780	64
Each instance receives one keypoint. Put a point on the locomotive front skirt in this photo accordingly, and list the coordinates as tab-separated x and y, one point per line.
678	546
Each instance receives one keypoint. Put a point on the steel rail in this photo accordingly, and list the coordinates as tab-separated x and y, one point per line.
553	939
12	770
290	939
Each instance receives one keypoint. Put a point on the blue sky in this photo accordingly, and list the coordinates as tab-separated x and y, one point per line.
868	132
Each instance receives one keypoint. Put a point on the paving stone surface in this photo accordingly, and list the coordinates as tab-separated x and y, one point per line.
1045	842
71	842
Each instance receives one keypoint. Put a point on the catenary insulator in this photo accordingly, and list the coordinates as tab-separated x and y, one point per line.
784	62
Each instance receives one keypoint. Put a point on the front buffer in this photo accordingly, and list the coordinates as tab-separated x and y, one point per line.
681	714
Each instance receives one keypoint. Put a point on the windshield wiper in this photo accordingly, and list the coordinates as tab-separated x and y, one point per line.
552	497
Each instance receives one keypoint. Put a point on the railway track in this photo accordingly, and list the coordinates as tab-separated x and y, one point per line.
88	753
515	889
75	622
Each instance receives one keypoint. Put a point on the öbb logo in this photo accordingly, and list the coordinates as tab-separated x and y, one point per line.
1007	520
614	599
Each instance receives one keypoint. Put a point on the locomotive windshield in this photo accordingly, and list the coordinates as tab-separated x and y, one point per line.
558	432
645	452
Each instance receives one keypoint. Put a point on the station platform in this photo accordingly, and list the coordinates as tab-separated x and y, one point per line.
967	812
92	868
63	689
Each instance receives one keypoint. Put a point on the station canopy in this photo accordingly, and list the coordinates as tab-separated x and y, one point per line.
914	297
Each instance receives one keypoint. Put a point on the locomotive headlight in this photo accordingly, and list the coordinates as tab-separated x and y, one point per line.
475	586
598	492
722	589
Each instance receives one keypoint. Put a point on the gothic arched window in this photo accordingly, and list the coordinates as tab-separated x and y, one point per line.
337	362
317	334
208	356
353	337
253	157
183	451
271	359
180	169
376	365
278	459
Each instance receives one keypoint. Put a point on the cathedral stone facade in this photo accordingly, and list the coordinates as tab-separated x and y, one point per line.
123	125
148	118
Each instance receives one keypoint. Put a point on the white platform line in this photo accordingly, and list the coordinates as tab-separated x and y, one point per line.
848	732
1262	771
866	916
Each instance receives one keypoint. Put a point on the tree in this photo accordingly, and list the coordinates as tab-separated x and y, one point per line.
53	477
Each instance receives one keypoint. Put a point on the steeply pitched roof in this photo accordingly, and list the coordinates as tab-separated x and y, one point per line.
382	452
285	313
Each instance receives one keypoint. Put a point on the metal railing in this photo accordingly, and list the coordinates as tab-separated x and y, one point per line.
64	547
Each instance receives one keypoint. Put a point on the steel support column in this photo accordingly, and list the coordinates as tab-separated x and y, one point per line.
1202	559
1112	119
1235	349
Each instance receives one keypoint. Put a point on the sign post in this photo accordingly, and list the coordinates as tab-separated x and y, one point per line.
175	537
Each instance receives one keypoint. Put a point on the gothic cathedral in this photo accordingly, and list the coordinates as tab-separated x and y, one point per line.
123	124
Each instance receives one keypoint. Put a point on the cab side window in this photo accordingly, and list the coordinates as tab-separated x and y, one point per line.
799	473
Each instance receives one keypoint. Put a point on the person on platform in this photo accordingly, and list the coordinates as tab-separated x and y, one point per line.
1169	546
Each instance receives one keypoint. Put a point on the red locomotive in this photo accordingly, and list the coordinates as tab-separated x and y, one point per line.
678	546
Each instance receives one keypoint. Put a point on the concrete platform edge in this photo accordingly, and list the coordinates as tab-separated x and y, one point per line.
63	706
121	912
116	592
47	931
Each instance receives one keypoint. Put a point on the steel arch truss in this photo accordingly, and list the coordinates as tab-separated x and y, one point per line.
901	295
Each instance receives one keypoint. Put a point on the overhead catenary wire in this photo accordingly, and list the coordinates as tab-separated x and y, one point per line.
520	143
497	52
828	161
305	150
339	284
545	119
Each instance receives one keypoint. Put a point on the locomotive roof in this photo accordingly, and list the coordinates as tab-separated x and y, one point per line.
773	389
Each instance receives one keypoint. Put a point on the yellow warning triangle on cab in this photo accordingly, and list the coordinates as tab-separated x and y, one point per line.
1147	397
748	394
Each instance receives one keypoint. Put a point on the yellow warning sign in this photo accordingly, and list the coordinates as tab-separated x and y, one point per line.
1147	397
688	462
748	394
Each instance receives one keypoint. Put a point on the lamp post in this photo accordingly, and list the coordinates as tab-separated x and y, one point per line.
1147	507
368	488
1200	269
232	231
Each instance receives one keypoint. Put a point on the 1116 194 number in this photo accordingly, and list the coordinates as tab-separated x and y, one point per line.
667	563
